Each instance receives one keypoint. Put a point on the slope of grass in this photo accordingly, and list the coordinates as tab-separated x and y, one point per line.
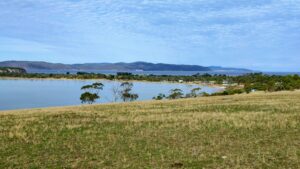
242	131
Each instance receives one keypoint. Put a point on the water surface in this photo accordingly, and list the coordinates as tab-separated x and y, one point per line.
27	93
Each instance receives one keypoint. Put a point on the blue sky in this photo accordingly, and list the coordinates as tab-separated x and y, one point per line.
256	34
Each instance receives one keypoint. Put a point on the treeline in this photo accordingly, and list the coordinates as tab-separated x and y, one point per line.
121	76
272	83
259	82
236	84
240	84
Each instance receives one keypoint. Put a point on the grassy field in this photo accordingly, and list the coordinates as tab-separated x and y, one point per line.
242	131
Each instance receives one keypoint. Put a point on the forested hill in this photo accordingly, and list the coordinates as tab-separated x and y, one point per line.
142	66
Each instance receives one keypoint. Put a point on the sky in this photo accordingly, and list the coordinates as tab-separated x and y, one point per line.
256	34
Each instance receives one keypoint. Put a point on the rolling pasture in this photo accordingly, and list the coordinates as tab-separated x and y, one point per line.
260	130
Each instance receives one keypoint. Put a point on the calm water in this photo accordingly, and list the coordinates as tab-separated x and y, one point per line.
21	94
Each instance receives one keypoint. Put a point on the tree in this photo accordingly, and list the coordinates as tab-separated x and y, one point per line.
175	94
115	92
95	87
194	92
91	93
126	94
248	87
88	97
160	97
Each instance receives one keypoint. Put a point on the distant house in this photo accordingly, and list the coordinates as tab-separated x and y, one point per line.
180	81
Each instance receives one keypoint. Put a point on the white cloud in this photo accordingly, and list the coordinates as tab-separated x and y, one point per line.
168	27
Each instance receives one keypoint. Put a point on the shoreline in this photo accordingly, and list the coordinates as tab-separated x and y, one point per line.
221	87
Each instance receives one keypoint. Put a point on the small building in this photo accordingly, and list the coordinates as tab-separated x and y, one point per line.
180	81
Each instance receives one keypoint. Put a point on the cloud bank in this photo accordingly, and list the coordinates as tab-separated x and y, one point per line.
255	34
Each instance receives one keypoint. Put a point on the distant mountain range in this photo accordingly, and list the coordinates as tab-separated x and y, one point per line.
135	66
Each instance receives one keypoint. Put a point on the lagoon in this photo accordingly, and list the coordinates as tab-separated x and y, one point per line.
35	93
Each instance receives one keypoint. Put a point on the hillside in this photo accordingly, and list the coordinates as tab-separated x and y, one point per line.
12	70
240	131
32	65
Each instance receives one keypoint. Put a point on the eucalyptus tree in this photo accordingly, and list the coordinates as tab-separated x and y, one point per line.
160	96
195	92
91	93
115	89
175	94
88	97
125	93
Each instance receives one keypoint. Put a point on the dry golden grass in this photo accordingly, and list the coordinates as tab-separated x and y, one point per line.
242	131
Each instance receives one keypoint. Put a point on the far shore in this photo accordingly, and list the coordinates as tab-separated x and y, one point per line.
221	87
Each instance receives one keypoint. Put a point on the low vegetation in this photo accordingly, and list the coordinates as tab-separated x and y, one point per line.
12	70
255	130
